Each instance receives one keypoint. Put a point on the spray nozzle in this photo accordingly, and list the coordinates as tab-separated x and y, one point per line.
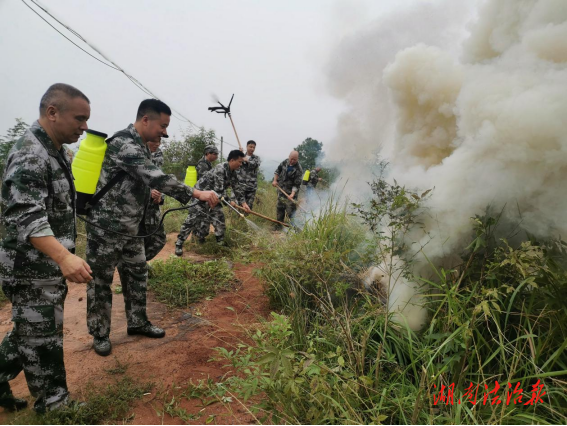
229	205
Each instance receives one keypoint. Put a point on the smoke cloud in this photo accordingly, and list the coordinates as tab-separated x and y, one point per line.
485	125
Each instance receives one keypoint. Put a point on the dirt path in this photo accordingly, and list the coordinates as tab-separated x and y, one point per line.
182	355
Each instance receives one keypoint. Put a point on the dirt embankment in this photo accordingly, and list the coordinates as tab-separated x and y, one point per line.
181	356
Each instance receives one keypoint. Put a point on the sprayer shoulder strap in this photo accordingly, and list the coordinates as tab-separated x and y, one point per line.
117	178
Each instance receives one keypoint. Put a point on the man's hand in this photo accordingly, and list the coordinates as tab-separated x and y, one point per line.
72	267
246	208
156	196
274	183
233	204
209	196
291	196
75	269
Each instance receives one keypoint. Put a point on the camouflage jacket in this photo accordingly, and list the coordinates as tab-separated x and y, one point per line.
248	173
219	180
203	166
38	200
313	179
153	213
123	206
157	158
289	178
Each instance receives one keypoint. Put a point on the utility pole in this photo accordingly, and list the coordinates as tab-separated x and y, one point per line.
221	149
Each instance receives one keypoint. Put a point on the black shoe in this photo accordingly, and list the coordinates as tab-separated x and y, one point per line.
201	240
11	403
221	242
147	330
102	346
178	250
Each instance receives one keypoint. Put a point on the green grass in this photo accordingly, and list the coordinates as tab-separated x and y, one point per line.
179	282
111	403
499	317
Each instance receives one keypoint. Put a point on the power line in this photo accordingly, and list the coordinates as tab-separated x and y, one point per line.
48	23
112	64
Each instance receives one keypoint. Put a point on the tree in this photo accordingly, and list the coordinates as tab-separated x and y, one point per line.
178	154
7	141
310	153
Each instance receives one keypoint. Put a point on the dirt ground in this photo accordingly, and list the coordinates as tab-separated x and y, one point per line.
182	355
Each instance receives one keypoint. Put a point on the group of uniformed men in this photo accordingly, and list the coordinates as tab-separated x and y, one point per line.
39	231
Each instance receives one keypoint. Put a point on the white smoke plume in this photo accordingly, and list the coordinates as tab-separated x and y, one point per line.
491	129
354	75
485	128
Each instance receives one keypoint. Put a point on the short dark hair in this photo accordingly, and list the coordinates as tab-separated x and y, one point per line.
250	142
152	107
234	154
56	96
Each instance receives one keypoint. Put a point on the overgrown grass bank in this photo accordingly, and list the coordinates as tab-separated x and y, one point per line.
496	333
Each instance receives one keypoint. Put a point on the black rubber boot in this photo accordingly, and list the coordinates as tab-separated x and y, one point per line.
147	330
102	346
8	401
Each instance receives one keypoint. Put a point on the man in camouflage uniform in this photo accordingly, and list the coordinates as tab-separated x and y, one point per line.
314	179
121	210
248	174
288	176
37	248
152	218
219	179
206	162
204	165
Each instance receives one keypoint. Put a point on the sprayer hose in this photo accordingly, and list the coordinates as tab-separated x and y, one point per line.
135	236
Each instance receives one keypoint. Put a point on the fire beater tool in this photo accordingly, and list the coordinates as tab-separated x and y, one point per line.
290	199
265	217
226	111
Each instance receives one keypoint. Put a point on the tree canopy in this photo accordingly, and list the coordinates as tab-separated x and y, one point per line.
310	153
8	140
178	154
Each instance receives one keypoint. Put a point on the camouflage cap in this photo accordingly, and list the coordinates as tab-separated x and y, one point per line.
211	149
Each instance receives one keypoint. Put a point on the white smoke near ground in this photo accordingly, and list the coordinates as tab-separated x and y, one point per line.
485	129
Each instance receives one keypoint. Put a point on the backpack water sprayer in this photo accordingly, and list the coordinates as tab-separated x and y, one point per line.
87	166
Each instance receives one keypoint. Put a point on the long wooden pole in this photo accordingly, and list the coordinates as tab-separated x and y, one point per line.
290	199
237	138
263	217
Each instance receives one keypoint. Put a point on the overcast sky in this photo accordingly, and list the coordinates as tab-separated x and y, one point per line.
270	54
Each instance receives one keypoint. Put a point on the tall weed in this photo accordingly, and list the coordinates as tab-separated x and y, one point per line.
496	325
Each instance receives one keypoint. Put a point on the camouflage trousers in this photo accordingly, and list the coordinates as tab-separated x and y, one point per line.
284	207
35	344
104	255
154	243
199	221
249	197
